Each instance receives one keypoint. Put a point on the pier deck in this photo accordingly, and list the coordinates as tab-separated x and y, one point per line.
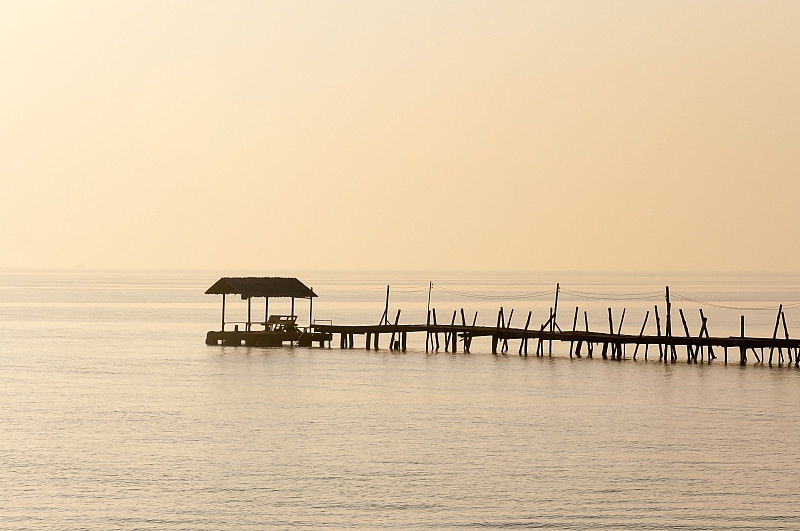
612	344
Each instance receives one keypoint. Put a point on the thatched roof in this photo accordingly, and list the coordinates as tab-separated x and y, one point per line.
261	287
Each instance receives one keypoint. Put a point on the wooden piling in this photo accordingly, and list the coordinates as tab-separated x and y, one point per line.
742	349
775	332
690	355
641	333
661	354
391	341
436	335
574	324
523	344
589	345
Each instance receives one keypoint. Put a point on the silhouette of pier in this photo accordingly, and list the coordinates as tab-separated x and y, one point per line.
611	344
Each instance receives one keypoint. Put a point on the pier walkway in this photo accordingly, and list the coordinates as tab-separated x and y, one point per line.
610	344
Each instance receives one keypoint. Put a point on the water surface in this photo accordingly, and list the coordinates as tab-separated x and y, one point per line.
114	413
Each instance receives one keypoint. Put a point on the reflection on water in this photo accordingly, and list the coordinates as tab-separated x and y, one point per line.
115	414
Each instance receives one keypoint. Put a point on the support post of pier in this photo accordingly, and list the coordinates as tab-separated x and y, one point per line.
641	332
742	349
673	353
436	335
589	346
428	324
690	354
496	335
574	325
661	353
464	335
775	332
523	344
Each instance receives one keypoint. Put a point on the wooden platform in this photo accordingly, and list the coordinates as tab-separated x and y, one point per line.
268	338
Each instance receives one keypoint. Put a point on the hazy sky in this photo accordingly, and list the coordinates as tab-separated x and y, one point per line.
529	135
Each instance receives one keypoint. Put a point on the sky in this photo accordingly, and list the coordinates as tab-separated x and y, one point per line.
408	135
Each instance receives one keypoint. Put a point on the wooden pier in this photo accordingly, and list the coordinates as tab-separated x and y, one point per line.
612	344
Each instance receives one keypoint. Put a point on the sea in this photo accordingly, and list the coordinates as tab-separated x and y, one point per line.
114	414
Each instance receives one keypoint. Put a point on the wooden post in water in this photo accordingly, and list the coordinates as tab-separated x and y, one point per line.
641	333
464	324
742	349
620	346
704	333
611	333
523	345
496	335
553	324
427	325
574	325
775	332
668	331
661	353
690	355
786	334
504	349
448	336
386	311
589	345
468	340
391	341
436	334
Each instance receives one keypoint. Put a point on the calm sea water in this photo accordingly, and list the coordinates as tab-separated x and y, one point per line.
114	414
